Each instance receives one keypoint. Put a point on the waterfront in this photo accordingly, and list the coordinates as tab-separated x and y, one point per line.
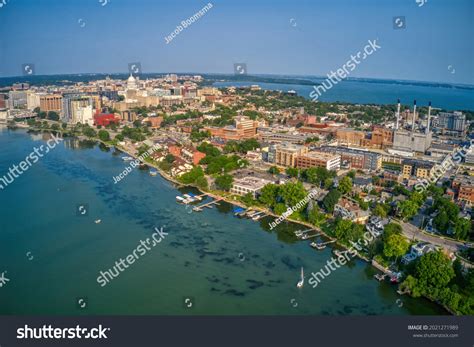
224	264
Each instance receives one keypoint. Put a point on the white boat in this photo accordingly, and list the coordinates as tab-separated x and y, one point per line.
153	172
298	233
127	158
317	245
180	198
301	282
97	221
258	216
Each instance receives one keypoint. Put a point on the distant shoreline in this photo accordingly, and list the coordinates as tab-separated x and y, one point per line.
262	78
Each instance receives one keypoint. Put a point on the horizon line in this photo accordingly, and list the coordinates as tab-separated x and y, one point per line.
232	74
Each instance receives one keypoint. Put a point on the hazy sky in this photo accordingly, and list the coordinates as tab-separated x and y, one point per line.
274	37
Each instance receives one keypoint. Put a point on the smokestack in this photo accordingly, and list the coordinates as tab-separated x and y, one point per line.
398	114
429	116
414	114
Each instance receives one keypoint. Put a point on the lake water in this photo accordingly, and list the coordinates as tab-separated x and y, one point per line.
225	265
356	91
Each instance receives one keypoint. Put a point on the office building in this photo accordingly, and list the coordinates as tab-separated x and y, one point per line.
51	102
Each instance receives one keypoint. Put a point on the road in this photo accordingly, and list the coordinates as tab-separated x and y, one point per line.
412	232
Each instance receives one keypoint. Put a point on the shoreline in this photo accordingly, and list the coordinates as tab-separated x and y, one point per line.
233	202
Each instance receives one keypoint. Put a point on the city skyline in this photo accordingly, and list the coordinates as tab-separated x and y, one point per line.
307	38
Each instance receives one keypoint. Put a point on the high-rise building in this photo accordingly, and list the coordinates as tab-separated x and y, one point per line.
82	112
67	109
17	99
32	100
3	104
452	123
51	102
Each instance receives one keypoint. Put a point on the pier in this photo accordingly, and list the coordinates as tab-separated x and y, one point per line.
207	204
321	245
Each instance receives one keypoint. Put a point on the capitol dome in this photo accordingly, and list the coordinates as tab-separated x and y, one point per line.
131	82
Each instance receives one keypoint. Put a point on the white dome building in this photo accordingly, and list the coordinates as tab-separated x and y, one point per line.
131	82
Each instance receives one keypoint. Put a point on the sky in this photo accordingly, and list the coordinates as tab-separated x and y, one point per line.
283	37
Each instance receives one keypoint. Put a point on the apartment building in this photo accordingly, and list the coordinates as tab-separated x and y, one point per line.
286	154
417	168
319	159
464	186
356	159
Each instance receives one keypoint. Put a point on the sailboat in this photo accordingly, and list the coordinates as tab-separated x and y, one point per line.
301	282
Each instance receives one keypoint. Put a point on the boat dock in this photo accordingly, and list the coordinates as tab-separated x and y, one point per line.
321	245
189	198
207	204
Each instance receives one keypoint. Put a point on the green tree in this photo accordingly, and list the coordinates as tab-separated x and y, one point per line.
395	245
330	200
201	182
170	158
192	176
441	221
274	170
280	208
434	271
292	193
342	228
392	228
462	228
89	132
268	195
379	210
52	115
316	217
104	135
345	185
224	182
407	209
291	171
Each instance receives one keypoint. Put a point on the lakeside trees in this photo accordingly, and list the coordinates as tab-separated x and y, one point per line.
224	182
330	200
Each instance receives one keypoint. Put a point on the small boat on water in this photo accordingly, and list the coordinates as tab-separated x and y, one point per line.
301	282
298	233
97	221
258	216
179	198
379	277
127	158
238	211
317	245
153	172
